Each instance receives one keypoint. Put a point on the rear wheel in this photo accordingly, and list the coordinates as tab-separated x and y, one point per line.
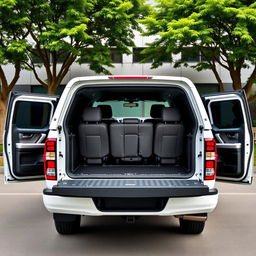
67	223
192	227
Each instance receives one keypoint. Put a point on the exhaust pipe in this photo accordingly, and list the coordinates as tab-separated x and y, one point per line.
192	217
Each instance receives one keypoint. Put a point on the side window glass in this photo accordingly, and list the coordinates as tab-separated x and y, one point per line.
32	115
227	114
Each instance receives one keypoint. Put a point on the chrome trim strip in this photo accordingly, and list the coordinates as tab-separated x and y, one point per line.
217	135
29	145
41	139
229	145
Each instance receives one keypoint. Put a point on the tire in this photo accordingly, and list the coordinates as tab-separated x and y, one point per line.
68	227
192	227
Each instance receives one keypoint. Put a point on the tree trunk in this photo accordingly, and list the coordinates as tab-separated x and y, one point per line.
236	79
218	78
51	89
248	87
2	118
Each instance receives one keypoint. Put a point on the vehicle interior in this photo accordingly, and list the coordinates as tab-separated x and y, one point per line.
130	131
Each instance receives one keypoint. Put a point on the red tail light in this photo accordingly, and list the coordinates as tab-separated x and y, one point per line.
50	167
211	158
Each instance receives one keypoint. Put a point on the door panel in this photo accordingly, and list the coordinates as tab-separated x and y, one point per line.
231	127
27	126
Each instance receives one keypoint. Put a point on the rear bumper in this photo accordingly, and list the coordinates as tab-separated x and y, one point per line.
174	206
180	201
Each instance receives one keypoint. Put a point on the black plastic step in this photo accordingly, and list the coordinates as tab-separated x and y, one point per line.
130	188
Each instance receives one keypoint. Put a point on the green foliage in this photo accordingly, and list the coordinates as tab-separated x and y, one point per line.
62	31
12	34
227	26
71	26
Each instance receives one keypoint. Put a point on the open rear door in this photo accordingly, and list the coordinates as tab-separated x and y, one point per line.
26	129
231	123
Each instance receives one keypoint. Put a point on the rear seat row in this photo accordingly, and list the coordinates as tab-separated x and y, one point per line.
130	140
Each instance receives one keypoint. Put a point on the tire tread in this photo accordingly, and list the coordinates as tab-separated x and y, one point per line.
192	227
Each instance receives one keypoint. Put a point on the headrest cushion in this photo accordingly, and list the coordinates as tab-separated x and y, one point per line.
106	111
131	121
156	110
91	115
171	115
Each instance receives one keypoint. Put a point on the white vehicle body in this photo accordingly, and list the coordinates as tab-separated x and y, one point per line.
20	142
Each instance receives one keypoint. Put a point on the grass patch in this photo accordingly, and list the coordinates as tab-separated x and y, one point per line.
1	149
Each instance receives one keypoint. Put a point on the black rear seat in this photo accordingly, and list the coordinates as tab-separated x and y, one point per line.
131	140
169	136
93	136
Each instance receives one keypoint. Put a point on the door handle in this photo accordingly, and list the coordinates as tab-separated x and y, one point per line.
23	136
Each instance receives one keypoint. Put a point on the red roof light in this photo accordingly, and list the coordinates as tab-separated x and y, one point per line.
130	77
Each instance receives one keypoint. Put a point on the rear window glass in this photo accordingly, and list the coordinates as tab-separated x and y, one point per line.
131	109
32	115
227	114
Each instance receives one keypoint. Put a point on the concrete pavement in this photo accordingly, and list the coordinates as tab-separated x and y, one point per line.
27	228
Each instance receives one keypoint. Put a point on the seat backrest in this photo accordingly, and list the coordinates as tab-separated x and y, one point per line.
93	136
169	136
131	140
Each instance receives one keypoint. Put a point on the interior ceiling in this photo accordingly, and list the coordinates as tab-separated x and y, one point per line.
128	93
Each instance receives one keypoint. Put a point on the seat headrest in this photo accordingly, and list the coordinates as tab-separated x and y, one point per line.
171	115
106	111
156	110
91	115
131	121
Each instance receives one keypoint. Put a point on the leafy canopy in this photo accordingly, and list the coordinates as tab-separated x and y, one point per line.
70	27
225	26
13	44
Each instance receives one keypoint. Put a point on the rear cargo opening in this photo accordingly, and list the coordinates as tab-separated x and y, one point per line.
130	131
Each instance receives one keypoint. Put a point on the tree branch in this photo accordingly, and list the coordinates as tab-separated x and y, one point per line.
15	77
33	68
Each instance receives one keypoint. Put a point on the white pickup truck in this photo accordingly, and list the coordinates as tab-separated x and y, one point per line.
129	146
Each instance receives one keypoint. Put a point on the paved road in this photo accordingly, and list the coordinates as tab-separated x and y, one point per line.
26	228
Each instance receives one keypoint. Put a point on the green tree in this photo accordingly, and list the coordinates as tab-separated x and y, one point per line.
13	47
223	31
68	31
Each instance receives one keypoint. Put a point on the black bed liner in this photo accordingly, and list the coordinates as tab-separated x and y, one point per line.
131	171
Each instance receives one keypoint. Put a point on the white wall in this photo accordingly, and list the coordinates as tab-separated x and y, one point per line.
130	68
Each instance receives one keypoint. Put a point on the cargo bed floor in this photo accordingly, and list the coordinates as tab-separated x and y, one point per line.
131	171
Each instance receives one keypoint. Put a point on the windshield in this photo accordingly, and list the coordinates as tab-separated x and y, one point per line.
131	109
